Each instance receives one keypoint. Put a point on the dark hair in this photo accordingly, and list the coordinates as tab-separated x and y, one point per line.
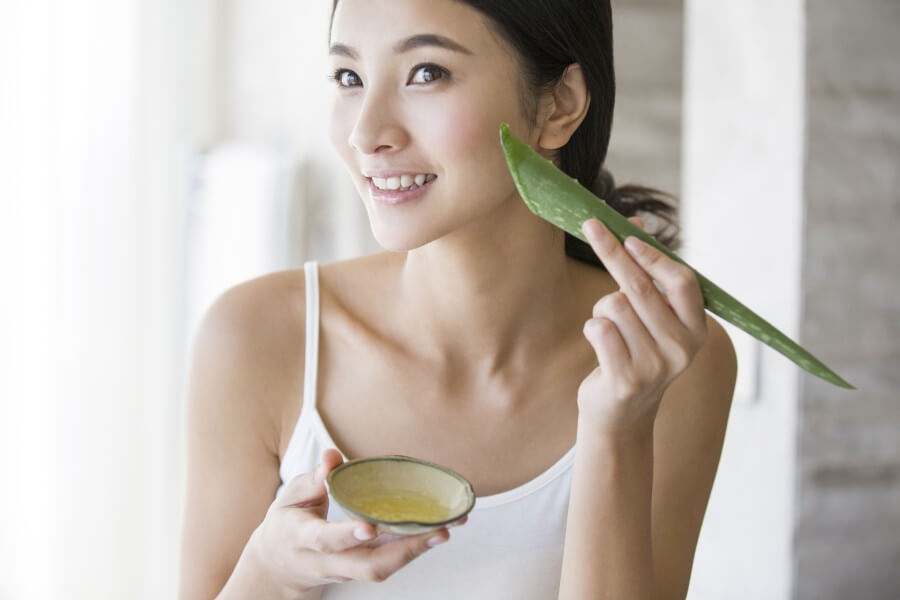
548	36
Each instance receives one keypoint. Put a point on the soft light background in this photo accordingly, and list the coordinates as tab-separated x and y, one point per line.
154	153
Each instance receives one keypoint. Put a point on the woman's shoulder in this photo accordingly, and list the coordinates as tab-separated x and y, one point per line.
715	365
253	337
265	312
263	320
247	355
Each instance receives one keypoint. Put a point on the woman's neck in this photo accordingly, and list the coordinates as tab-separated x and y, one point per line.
492	296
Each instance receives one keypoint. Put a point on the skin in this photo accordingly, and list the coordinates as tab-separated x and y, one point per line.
469	297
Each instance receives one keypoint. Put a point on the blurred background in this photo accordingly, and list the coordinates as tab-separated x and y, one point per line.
153	154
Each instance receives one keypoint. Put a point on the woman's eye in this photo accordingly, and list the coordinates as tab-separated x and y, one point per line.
429	73
422	74
345	78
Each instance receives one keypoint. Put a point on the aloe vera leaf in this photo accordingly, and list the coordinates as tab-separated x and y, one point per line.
561	200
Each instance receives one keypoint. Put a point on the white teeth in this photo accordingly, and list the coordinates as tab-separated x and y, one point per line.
402	182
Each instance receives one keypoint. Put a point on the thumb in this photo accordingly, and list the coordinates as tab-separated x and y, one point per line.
330	460
308	490
304	491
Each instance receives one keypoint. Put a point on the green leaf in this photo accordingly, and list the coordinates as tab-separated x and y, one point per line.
561	200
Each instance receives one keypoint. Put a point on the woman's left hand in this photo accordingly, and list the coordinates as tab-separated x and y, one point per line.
643	338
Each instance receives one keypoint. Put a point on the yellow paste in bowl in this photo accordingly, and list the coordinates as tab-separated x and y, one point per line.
401	506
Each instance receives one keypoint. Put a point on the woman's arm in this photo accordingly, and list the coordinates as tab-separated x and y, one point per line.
652	418
608	551
233	399
690	429
610	542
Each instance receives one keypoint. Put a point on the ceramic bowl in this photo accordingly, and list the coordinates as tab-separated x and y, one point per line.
399	494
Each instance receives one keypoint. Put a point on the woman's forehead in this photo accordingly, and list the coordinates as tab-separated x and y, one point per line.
378	25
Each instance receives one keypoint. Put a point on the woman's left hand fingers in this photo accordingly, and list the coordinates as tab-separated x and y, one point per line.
616	308
635	269
677	280
637	222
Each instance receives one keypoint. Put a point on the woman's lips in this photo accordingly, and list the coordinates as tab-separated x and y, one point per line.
395	197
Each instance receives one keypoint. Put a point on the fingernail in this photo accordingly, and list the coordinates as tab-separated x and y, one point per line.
635	246
593	229
363	534
435	541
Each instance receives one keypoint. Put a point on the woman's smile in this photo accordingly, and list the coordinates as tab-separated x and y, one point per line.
392	191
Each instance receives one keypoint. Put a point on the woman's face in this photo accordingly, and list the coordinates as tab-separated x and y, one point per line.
410	105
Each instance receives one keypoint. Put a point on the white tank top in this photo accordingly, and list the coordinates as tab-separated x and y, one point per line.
511	547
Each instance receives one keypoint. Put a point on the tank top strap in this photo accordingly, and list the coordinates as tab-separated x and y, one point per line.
311	367
304	448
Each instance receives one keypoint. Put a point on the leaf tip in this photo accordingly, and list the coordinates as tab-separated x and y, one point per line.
504	133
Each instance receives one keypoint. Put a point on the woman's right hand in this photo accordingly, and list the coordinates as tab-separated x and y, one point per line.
299	551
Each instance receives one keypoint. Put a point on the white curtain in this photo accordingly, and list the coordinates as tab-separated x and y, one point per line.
97	110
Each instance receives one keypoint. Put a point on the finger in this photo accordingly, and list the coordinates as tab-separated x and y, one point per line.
649	304
611	350
385	538
324	536
330	460
308	490
617	308
459	522
637	222
384	561
304	491
377	563
678	280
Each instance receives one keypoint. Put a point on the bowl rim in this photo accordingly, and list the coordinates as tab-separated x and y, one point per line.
467	487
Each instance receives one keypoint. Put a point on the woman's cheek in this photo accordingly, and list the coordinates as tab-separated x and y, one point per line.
339	131
467	140
463	130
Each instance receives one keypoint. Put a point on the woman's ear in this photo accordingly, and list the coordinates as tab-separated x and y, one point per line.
564	110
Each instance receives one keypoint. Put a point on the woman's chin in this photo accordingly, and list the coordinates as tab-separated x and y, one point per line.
400	240
393	244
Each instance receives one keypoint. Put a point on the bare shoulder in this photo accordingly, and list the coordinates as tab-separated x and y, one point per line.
688	439
710	377
259	307
251	340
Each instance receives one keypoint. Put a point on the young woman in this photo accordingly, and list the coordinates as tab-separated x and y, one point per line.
582	390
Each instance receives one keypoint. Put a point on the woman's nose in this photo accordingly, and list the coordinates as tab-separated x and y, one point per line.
377	128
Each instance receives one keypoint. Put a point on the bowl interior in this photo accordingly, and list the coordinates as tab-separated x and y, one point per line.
394	489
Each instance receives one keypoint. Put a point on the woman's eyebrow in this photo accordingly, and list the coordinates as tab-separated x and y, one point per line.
417	41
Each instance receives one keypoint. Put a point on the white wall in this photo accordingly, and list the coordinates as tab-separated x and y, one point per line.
742	194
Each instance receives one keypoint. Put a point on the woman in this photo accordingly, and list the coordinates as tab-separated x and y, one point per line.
482	339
